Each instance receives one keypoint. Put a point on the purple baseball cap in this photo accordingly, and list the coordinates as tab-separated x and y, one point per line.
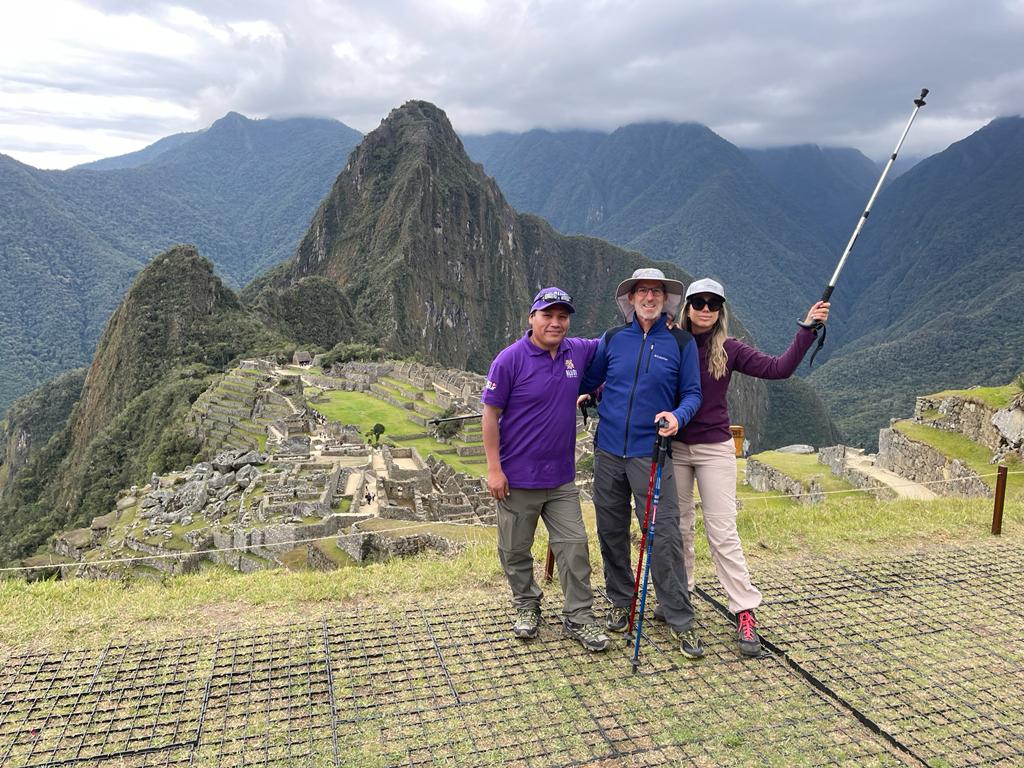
550	296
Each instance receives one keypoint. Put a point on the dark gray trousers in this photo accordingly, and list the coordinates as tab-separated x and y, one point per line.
615	480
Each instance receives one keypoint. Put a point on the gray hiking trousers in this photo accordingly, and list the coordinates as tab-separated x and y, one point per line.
615	480
559	507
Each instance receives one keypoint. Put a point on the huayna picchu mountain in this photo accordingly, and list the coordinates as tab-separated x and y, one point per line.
430	260
414	252
175	329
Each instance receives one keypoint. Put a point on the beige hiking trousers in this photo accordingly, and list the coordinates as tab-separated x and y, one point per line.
713	465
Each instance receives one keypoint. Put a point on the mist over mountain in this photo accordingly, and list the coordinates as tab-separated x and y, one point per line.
71	241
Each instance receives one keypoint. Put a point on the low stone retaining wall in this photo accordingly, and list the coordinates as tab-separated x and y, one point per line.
363	546
834	457
955	414
765	478
924	464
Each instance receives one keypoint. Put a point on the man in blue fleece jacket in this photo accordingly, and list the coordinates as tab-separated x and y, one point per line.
649	372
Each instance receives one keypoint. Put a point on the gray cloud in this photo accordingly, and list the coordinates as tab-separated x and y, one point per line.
760	74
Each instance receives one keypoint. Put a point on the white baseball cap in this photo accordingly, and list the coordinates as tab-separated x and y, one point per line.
705	285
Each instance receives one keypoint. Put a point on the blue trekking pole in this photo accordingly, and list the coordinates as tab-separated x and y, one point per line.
661	449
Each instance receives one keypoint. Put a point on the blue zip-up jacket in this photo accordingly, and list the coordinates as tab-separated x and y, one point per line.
643	374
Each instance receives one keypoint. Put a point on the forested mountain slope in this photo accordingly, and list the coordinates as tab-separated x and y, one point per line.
71	241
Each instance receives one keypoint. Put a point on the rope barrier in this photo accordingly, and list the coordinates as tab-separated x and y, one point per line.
414	525
456	520
881	486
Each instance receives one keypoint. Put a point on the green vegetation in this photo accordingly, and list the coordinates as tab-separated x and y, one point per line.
243	191
993	397
364	410
804	468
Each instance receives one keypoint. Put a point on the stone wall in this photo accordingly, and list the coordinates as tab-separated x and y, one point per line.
834	457
765	478
1001	431
955	414
362	546
924	464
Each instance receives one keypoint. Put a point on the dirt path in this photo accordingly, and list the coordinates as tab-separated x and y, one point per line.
901	486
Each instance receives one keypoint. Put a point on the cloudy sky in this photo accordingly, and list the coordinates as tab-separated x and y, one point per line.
84	79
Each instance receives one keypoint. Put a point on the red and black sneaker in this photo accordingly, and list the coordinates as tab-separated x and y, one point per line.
746	634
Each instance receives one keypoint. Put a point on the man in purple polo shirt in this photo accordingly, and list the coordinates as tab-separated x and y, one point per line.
529	426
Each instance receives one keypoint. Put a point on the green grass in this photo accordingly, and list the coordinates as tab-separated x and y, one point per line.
80	612
804	468
955	446
364	411
993	397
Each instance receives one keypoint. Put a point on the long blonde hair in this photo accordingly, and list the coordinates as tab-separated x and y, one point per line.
717	358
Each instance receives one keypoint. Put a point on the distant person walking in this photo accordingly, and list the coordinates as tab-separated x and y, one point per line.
529	430
704	448
649	372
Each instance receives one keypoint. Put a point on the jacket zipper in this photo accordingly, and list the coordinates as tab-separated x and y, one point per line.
629	405
648	368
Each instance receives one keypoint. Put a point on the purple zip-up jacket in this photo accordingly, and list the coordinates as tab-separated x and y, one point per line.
711	422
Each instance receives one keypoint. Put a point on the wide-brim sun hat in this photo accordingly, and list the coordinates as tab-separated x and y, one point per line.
673	291
705	285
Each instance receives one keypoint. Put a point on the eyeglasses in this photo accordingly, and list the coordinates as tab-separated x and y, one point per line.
553	296
699	302
655	292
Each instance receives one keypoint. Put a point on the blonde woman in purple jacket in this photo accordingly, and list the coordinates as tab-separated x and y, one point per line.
704	449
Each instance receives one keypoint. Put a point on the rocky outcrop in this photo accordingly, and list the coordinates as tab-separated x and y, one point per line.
1001	430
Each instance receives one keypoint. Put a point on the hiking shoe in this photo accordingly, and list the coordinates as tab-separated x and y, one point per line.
617	619
590	635
527	622
746	634
689	643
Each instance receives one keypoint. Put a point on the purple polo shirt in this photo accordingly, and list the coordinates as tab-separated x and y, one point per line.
537	397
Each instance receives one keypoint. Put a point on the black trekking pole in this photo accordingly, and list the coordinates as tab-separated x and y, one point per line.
661	450
817	325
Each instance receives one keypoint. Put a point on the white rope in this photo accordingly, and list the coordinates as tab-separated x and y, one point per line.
455	520
413	525
881	487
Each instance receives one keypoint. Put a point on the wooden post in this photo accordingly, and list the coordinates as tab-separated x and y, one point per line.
737	439
997	510
549	566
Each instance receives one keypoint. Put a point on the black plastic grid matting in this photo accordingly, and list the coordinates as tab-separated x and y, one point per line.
118	702
899	661
925	647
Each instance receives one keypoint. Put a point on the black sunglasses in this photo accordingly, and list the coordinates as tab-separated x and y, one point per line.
699	302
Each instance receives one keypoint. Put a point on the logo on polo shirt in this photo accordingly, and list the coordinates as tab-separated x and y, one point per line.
491	385
570	369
